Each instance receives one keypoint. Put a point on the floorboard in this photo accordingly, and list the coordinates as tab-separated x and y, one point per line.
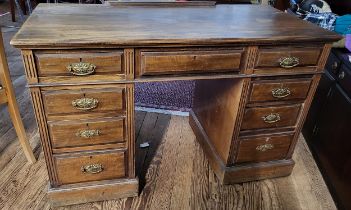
176	174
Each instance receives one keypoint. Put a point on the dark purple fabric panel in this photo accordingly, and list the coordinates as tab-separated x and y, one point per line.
175	95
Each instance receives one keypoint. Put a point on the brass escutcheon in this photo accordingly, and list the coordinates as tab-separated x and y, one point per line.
88	133
92	168
281	92
288	62
85	103
264	147
81	68
271	118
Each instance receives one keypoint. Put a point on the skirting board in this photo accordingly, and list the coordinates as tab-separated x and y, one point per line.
95	191
239	173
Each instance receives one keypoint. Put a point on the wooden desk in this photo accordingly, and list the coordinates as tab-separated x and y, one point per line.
256	70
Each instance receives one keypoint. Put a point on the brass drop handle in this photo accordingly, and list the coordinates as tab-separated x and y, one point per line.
289	62
271	118
81	68
88	133
335	65
342	75
92	168
281	92
85	103
264	147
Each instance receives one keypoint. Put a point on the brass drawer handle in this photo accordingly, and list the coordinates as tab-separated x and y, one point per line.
88	133
281	92
264	147
271	118
85	103
92	168
81	68
335	65
341	75
288	62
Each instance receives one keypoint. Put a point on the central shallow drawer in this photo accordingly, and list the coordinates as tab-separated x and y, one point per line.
66	63
87	132
279	90
155	62
84	100
270	117
84	167
259	149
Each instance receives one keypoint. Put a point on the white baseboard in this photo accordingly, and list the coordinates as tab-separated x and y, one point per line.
161	111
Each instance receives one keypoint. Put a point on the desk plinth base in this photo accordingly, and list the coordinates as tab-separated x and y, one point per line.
240	173
95	191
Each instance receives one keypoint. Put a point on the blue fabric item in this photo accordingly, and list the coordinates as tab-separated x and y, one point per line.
324	20
343	24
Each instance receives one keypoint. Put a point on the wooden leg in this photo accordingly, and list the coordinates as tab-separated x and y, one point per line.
21	133
23	7
29	6
20	12
5	80
13	11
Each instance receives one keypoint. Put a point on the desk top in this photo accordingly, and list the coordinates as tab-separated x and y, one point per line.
67	25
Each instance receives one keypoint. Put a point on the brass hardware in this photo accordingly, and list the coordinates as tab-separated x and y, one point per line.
281	92
92	168
271	118
335	65
342	75
85	103
81	68
288	62
264	147
88	133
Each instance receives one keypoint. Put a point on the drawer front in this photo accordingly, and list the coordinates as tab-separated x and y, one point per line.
86	167
282	90
288	58
192	61
270	117
66	63
87	132
259	149
84	101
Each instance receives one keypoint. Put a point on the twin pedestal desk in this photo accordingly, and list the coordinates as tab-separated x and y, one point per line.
256	71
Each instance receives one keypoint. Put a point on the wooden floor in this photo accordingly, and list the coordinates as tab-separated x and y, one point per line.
173	171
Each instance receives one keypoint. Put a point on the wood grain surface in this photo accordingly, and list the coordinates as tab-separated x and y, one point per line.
254	117
261	91
69	26
69	133
69	168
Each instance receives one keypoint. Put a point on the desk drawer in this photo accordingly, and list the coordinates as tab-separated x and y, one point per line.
84	100
259	149
87	132
84	167
279	90
153	62
70	63
287	59
270	117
